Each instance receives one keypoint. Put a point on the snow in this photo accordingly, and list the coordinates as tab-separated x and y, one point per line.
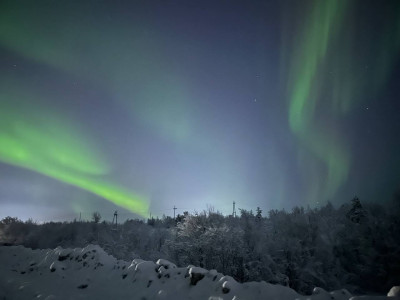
166	264
90	273
394	291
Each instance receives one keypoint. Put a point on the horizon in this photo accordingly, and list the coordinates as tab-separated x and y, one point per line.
87	216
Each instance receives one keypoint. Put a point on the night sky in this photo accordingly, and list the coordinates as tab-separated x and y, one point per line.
138	106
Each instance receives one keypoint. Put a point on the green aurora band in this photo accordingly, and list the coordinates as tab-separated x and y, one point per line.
75	45
122	58
324	83
52	147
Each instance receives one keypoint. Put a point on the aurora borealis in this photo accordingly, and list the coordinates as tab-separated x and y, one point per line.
143	106
49	146
324	78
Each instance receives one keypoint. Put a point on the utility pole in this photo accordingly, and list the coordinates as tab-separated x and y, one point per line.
174	211
234	210
80	216
116	218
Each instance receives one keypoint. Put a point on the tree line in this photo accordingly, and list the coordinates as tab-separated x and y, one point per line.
355	246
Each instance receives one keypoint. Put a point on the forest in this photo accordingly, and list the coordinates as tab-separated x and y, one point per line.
355	246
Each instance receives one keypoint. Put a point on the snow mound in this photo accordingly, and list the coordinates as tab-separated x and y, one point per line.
90	273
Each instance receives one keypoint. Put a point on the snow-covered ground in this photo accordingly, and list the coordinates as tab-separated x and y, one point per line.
90	273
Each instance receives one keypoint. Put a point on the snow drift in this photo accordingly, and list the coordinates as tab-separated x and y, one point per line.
90	273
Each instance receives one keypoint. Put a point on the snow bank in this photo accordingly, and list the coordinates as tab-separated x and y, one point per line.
90	273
